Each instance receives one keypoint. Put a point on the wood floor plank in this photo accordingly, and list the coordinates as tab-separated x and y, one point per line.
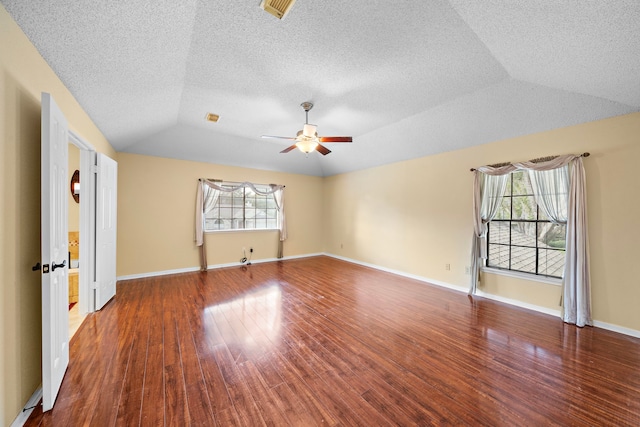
319	341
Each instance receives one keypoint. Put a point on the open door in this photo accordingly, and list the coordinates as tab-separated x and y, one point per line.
106	212
55	278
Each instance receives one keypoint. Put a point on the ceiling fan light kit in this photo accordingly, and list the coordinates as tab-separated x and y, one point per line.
307	139
307	145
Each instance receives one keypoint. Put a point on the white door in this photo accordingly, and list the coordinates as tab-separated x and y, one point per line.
55	280
106	210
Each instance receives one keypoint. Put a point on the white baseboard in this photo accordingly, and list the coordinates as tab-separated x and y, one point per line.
400	273
616	328
520	304
211	267
533	307
23	416
158	273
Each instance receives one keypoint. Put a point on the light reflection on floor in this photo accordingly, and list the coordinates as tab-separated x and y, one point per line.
251	321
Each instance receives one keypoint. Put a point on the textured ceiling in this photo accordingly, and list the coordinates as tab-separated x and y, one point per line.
405	79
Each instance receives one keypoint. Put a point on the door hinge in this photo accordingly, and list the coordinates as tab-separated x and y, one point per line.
94	285
94	169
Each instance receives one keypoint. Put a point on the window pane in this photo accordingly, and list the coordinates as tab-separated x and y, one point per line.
523	233
238	213
499	232
504	211
521	184
261	223
271	223
498	256
524	207
270	202
552	235
551	262
225	200
250	224
225	212
261	202
523	259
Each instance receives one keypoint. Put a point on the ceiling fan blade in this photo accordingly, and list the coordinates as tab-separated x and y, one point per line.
286	150
279	137
335	139
322	150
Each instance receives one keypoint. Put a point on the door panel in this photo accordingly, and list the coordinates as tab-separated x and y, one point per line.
54	227
106	211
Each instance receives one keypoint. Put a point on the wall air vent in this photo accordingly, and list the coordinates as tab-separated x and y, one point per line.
278	8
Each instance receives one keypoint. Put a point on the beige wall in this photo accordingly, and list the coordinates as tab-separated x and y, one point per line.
415	216
156	214
23	76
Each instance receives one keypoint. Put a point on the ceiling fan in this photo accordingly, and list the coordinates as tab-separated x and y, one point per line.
307	139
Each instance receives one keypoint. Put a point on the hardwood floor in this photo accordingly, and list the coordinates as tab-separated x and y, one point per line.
319	341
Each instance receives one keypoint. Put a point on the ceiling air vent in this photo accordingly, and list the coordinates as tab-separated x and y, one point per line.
278	8
212	117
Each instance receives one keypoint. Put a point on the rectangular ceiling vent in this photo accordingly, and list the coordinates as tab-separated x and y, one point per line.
278	8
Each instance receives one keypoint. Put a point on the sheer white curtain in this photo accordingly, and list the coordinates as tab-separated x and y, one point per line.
576	290
488	191
559	187
206	198
278	196
207	195
551	191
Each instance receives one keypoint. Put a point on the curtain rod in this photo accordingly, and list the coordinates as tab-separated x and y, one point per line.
538	160
220	180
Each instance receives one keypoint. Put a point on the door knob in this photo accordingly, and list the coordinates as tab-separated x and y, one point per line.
62	265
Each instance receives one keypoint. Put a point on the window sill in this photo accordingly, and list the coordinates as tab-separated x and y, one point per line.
240	230
525	276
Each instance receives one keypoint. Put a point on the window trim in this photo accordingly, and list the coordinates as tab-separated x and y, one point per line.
551	280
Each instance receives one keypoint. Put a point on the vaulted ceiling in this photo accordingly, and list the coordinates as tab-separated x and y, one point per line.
406	79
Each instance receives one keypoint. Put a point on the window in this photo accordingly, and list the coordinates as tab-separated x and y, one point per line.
242	209
521	237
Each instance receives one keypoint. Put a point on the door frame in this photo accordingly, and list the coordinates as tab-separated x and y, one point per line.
86	279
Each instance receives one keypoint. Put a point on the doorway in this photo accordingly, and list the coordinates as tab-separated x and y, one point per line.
75	316
81	220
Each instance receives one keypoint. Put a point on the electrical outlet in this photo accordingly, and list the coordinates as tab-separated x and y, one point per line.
467	270
447	267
